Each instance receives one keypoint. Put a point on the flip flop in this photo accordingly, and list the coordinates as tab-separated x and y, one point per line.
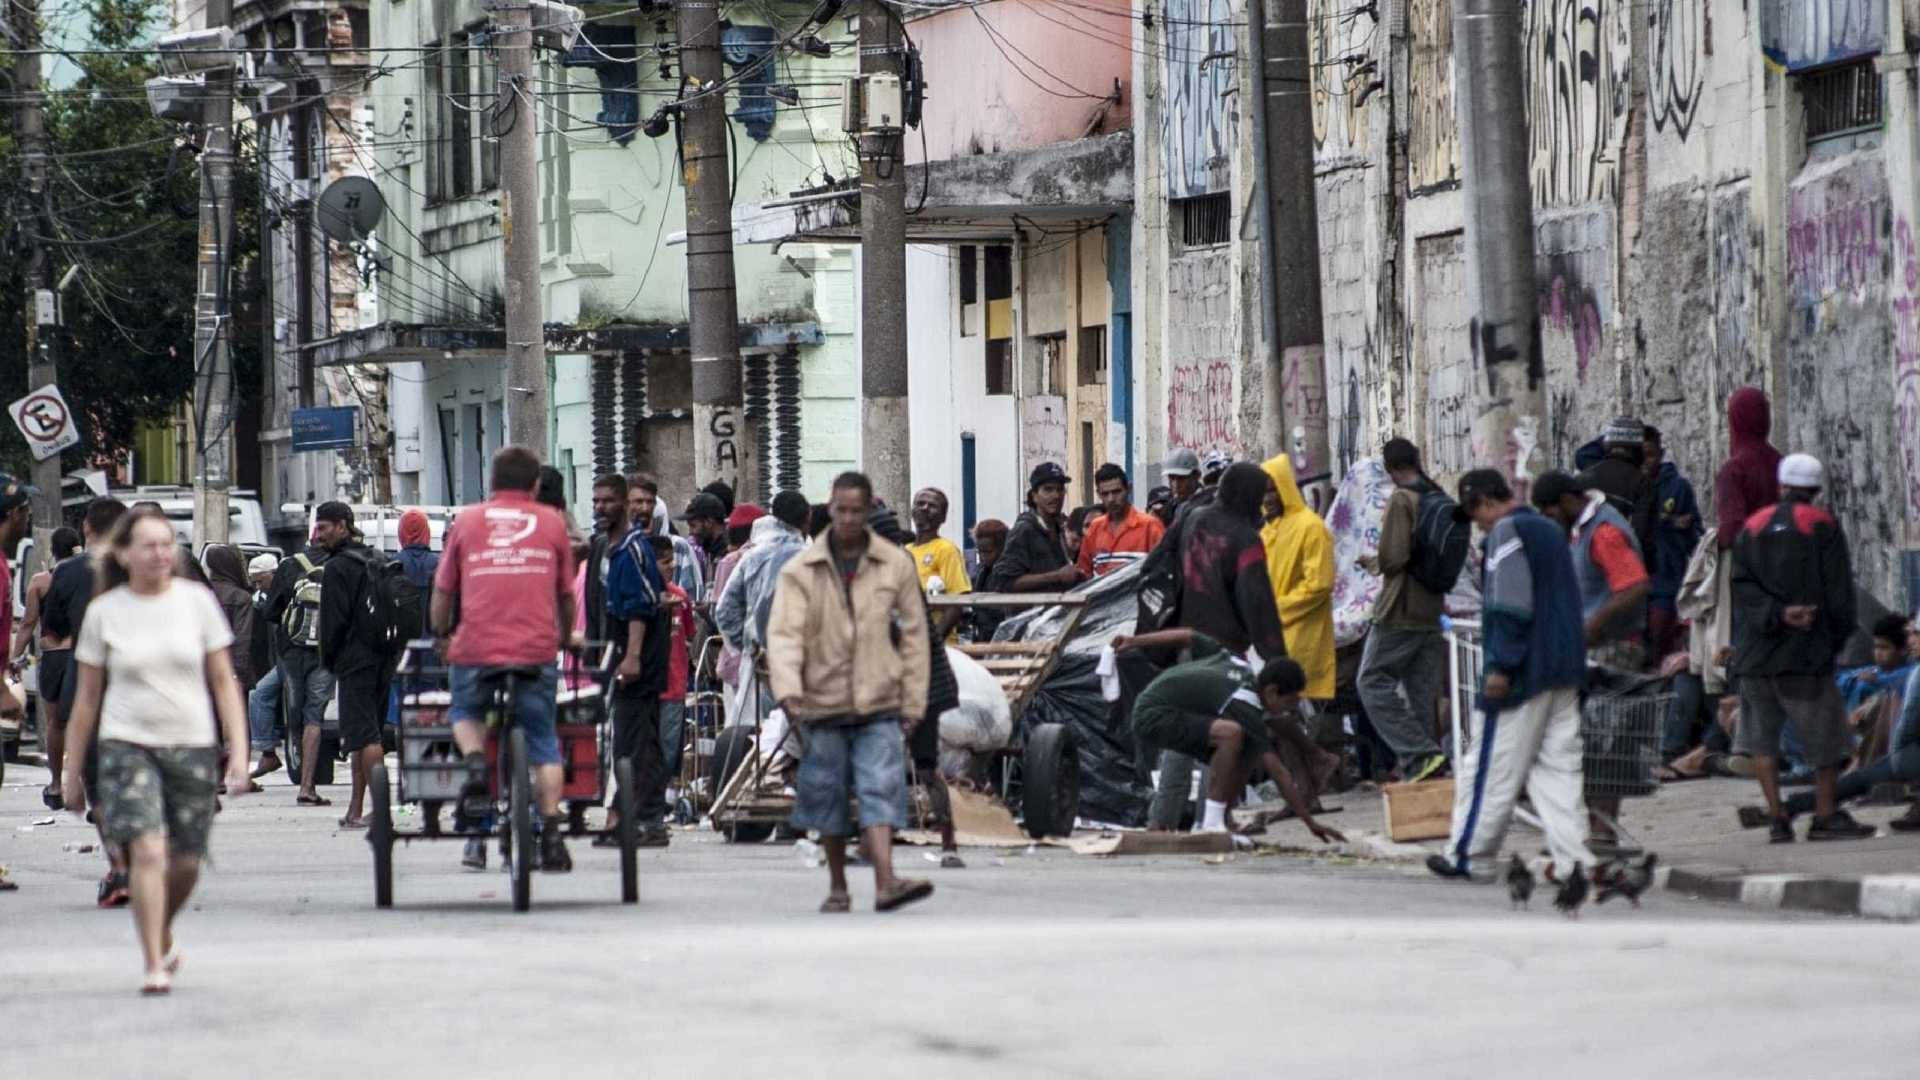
172	961
905	891
836	905
157	985
353	823
313	800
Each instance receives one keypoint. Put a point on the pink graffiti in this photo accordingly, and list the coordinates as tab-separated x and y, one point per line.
1833	244
1200	405
1572	310
1906	364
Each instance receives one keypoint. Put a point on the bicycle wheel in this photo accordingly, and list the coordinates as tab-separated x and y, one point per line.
520	819
380	835
625	804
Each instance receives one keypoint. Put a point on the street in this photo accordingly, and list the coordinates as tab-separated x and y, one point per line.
1042	963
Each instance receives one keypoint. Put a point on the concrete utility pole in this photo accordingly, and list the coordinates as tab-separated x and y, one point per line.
1290	237
885	445
212	307
43	342
722	445
518	127
1493	166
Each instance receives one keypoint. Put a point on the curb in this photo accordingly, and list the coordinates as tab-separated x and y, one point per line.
1879	896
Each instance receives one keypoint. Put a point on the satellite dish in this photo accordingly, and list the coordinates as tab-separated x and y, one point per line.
349	209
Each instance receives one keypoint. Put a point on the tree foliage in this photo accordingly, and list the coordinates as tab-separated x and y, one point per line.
124	190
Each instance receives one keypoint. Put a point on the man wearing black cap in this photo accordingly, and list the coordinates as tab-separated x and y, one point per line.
706	519
294	606
1035	559
361	669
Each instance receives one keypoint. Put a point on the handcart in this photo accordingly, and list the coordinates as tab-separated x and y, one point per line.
1038	773
1620	732
706	718
432	770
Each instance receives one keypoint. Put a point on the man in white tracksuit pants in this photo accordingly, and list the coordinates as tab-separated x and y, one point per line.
1525	734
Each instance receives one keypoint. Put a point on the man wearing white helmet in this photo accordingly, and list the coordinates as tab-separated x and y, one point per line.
1793	612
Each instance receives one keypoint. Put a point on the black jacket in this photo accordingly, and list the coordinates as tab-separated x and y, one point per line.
1629	490
280	594
1790	553
1032	548
343	585
1224	589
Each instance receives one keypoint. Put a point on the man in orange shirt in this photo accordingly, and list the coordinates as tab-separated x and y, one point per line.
1122	530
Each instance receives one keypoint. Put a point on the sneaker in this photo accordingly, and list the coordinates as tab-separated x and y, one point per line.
1910	822
1780	831
1445	868
1838	825
553	852
113	890
476	854
655	837
1433	768
1755	817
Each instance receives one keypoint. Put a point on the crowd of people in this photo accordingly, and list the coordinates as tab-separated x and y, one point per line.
151	661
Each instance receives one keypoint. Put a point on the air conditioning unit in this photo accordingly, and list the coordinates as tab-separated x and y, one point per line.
176	98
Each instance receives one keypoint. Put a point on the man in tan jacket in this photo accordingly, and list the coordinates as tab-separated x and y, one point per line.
847	653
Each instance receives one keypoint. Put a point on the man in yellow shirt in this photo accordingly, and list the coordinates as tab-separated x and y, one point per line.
936	557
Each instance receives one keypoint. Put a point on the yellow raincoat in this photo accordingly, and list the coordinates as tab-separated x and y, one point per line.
1300	562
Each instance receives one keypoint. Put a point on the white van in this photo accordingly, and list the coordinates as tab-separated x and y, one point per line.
381	524
246	522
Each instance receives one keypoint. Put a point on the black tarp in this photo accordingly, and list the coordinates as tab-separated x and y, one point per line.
1110	788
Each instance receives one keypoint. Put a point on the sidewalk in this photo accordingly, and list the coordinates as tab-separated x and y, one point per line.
1703	850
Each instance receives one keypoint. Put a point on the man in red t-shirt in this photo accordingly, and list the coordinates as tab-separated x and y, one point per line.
1122	530
673	700
509	564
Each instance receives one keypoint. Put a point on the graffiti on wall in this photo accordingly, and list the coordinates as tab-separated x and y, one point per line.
1834	240
1200	122
1797	34
1905	286
1442	351
1344	74
1679	33
1735	286
1570	309
1201	372
1433	144
1577	59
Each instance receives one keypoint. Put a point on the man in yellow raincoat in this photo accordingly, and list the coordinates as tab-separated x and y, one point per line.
1300	564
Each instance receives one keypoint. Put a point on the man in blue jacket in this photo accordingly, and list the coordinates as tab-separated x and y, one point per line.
1525	731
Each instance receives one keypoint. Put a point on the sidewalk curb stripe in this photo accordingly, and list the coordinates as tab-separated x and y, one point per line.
1883	896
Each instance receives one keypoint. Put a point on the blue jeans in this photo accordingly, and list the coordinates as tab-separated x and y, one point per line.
532	705
868	760
263	712
1902	764
673	734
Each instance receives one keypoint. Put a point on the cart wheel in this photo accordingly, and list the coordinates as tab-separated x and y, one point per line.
520	819
380	835
292	756
625	802
1050	781
731	748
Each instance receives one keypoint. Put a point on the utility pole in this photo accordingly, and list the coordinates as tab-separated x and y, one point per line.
519	128
722	445
213	363
1493	166
43	340
885	445
1290	238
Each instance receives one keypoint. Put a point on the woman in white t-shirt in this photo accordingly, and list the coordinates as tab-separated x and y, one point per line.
153	665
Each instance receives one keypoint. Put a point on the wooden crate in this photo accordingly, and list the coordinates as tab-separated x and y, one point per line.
1422	811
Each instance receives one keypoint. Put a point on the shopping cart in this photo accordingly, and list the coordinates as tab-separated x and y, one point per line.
1620	730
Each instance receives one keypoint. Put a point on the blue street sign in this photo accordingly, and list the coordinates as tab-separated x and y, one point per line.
325	429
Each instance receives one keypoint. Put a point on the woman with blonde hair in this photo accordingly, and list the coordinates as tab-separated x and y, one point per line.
153	668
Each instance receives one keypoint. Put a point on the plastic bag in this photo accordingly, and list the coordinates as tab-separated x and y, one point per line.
984	720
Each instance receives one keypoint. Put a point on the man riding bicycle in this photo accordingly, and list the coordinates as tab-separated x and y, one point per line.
508	565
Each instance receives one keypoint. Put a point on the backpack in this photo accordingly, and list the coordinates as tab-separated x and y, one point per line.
1440	535
391	610
301	619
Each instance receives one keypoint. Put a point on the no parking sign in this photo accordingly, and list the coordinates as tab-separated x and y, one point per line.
44	419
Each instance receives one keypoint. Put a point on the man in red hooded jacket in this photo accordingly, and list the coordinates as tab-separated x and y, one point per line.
1746	483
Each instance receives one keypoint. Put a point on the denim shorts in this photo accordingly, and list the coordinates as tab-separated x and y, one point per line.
533	707
158	789
867	760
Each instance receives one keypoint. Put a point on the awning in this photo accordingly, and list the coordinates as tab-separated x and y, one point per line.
400	343
960	200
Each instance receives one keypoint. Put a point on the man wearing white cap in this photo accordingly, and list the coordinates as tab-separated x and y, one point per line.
1793	612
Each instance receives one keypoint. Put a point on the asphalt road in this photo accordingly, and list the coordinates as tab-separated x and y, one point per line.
1042	964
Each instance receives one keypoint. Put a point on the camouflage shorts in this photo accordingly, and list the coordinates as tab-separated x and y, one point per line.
163	789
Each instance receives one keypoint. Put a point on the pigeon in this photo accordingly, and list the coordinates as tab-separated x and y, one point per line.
1519	882
1573	893
1629	882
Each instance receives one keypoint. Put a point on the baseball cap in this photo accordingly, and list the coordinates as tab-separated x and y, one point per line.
1160	494
1047	472
1802	471
333	511
1217	462
1553	486
13	493
263	564
1180	461
744	515
1623	431
705	506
